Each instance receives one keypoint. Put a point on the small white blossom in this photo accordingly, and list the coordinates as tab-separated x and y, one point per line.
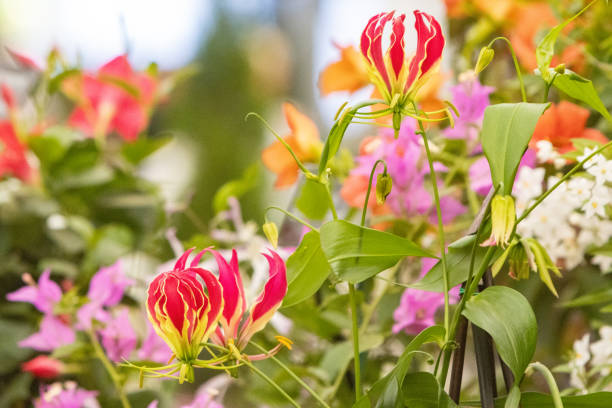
580	189
597	203
546	151
593	160
529	183
602	171
602	350
604	262
581	351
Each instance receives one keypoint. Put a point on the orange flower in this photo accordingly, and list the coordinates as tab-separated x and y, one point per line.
304	140
350	73
563	122
528	20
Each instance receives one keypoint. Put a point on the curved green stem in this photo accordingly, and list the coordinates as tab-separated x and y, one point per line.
288	214
441	238
355	331
112	373
292	375
516	64
550	380
270	381
367	197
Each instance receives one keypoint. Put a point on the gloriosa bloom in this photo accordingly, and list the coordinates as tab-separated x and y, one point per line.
268	301
185	312
396	76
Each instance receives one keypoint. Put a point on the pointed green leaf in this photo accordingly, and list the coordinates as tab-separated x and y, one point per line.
594	298
582	89
537	400
356	253
422	390
313	200
142	148
307	269
507	316
506	131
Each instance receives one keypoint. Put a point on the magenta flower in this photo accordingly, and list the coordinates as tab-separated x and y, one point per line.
262	310
66	395
471	99
43	296
417	308
153	347
118	337
53	333
480	173
203	399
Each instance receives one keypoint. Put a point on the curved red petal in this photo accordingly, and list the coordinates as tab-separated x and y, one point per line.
376	53
215	295
233	291
396	49
434	46
182	261
366	35
430	42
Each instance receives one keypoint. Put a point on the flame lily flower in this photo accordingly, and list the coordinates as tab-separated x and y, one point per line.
304	141
269	300
397	77
183	311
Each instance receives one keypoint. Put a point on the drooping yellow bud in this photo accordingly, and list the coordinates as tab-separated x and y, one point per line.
484	59
271	232
503	217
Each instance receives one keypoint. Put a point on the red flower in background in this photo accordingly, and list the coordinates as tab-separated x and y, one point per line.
392	72
12	154
43	367
115	99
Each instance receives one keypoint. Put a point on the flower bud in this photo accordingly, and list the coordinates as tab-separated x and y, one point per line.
560	69
484	59
384	184
503	217
271	232
43	367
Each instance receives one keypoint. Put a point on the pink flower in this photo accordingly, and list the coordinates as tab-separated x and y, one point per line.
480	173
43	296
268	301
203	400
53	333
153	347
118	337
12	154
105	289
66	395
393	72
417	308
116	98
43	367
471	99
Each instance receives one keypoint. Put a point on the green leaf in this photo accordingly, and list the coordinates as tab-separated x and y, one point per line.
422	390
356	253
51	146
458	262
506	131
537	400
601	296
582	89
546	48
307	269
143	147
507	316
313	200
384	392
236	188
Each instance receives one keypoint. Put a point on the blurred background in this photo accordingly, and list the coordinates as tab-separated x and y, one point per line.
247	55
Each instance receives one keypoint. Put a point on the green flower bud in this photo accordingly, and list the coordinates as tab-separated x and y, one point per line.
484	59
560	69
384	183
503	217
271	232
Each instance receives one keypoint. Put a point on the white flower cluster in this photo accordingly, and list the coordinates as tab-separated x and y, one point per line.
573	218
597	355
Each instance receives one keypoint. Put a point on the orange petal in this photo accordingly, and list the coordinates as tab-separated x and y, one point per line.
348	74
304	132
279	161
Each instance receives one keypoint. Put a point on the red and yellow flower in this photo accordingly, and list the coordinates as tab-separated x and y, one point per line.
396	75
230	331
184	311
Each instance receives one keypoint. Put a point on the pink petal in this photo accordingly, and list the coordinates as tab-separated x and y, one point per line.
396	49
53	333
376	53
180	263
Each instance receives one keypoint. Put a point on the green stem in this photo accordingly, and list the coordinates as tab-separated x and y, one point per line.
270	381
288	214
357	365
331	200
112	373
367	197
550	380
516	64
441	239
561	181
293	375
548	86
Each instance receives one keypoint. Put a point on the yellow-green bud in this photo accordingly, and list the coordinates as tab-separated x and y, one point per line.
560	69
271	232
503	217
484	59
384	183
